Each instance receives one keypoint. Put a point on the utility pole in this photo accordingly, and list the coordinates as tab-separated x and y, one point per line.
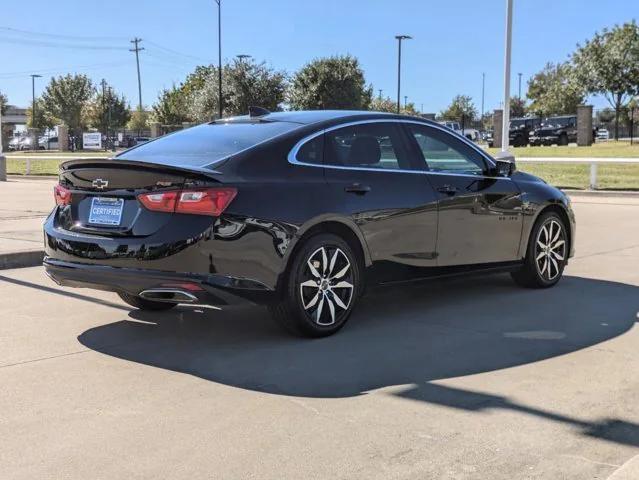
380	93
405	101
33	105
219	56
137	50
506	115
399	66
519	86
105	130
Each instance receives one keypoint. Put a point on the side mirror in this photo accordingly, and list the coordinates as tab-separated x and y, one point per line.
504	164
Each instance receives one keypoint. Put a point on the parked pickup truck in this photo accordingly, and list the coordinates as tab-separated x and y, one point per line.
560	130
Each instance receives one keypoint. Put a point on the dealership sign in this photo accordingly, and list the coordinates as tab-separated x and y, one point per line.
92	141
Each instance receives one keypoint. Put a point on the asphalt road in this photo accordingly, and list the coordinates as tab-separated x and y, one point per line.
459	379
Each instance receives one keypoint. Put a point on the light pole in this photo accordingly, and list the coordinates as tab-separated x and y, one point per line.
33	105
506	115
399	66
380	93
219	56
483	91
519	95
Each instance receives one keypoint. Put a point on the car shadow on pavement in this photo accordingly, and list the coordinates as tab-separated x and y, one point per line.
402	335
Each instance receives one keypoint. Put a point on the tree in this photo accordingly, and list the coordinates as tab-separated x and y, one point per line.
606	115
379	104
462	105
244	84
108	111
139	120
171	106
42	119
330	83
66	98
608	64
517	107
4	101
554	90
248	83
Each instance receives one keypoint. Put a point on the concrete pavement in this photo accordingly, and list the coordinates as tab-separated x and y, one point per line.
459	379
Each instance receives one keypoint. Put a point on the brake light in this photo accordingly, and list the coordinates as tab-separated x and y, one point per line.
62	195
210	201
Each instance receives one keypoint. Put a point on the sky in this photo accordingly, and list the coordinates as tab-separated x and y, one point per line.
453	43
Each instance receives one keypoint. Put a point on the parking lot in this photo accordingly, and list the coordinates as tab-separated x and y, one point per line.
458	379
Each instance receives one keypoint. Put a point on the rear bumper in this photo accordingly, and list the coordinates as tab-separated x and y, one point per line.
208	289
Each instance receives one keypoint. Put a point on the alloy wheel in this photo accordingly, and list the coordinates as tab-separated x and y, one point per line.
550	249
326	289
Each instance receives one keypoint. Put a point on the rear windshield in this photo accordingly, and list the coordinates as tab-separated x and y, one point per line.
206	144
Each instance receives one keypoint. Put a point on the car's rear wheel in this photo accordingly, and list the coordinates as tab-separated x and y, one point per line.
546	254
144	304
321	287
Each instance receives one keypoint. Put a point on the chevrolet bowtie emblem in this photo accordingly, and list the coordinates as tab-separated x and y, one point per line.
100	184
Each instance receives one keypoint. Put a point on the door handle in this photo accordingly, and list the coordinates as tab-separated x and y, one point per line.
448	189
358	189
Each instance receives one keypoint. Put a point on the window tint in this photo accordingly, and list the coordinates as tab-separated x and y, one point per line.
368	145
444	153
205	144
312	151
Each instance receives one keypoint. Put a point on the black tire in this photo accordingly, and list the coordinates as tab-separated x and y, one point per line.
563	139
325	294
544	267
143	304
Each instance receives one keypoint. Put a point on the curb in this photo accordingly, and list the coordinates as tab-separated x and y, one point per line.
600	193
31	177
31	258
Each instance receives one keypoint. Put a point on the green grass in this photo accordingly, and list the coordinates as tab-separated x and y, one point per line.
598	150
612	176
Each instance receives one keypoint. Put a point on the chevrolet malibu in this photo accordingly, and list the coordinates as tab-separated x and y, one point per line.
300	211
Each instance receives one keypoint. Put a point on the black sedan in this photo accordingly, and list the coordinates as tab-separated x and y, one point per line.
300	211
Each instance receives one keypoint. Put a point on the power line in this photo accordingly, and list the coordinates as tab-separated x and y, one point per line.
42	43
175	52
10	75
55	35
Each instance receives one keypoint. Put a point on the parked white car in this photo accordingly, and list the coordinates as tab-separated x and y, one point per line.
50	143
603	134
454	126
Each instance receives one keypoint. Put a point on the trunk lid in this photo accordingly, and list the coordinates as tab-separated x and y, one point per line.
104	196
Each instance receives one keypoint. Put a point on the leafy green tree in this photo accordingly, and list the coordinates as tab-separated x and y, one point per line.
554	90
462	105
606	115
139	121
247	83
608	64
387	105
171	107
67	98
42	118
517	107
108	111
244	84
4	101
330	83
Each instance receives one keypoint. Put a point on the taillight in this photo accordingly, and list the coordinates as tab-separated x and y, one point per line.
62	195
210	201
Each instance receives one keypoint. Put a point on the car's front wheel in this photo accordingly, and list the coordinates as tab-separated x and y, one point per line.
546	254
321	288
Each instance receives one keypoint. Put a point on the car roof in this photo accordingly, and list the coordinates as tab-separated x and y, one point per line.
308	117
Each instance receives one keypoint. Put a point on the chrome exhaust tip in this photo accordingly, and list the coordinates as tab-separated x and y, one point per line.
168	295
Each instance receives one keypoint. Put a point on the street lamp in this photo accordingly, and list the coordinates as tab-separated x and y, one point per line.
506	115
33	106
519	86
405	101
219	55
242	56
399	65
